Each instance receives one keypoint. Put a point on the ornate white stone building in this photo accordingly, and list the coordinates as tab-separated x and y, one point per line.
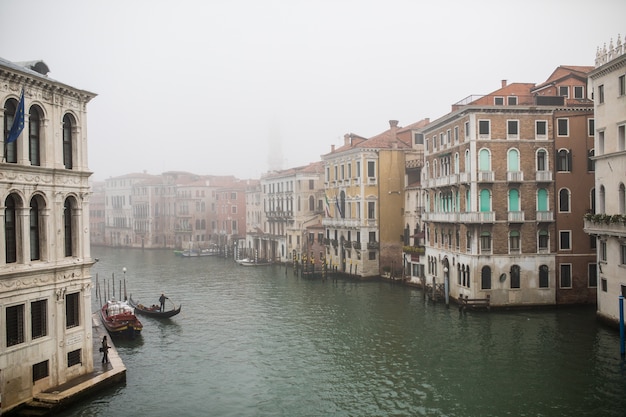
45	261
608	221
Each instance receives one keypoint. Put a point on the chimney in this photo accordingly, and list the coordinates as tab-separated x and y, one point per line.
393	124
346	139
332	148
503	83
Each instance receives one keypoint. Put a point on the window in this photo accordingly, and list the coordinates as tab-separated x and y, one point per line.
15	325
34	230
442	139
68	127
33	137
40	371
542	160
512	129
10	149
621	137
563	91
579	92
485	278
514	242
67	223
541	129
484	129
467	130
512	101
418	139
498	101
564	161
604	285
456	134
592	274
562	127
371	210
591	127
621	85
371	169
515	276
72	310
371	256
603	256
565	242
564	200
601	94
485	242
73	358
39	318
544	278
566	276
622	254
543	240
591	163
10	229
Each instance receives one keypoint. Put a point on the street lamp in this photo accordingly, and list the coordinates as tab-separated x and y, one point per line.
446	281
124	271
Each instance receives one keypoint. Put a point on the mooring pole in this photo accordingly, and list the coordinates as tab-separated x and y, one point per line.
621	325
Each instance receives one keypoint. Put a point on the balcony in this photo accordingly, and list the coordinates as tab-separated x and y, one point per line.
441	217
464	177
543	176
341	223
606	224
485	176
545	216
515	176
477	217
516	216
373	245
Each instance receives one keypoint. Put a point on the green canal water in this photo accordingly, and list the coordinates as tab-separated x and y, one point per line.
263	342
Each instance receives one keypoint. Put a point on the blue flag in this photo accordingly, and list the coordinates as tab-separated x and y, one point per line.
18	121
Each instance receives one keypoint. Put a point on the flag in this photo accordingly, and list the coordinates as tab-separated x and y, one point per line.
327	206
18	121
338	208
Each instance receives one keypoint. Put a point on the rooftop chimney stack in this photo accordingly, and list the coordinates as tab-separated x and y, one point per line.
503	83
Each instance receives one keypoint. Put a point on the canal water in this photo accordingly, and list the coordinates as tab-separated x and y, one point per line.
259	341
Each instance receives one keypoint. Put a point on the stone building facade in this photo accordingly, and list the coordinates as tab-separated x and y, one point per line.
45	263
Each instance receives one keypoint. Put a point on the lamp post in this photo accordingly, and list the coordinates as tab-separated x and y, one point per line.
446	284
124	271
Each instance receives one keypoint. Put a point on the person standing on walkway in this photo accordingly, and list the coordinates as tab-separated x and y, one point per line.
162	299
105	350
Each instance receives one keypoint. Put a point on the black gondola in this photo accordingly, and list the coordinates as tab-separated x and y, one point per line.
154	310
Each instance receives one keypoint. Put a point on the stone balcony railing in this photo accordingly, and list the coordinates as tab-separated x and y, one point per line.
606	225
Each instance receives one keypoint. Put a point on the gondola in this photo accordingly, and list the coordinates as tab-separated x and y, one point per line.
154	310
118	317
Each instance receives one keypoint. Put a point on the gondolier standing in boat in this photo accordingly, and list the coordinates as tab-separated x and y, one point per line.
162	299
105	350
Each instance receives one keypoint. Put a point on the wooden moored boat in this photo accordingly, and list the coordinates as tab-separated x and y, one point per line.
118	317
154	310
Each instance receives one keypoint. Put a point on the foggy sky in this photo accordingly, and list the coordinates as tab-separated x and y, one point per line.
228	87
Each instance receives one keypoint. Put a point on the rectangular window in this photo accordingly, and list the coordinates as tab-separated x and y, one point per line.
498	101
312	182
603	250
562	127
563	91
565	242
456	134
467	130
371	210
371	255
622	257
512	101
358	169
621	85
40	371
485	242
72	310
566	276
419	139
484	129
543	240
541	129
449	136
441	139
15	325
73	358
601	94
600	143
371	169
579	92
39	318
621	137
592	274
591	127
512	129
604	285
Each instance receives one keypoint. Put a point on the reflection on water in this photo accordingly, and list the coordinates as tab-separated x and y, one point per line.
260	341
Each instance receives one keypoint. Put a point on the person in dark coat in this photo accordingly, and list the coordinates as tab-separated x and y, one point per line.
162	299
105	350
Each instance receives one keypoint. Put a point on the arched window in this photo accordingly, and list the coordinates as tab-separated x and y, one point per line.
456	163
484	160
591	164
544	278
485	278
514	203
68	228
468	201
10	149
34	140
10	229
542	160
35	241
468	165
543	240
68	128
564	161
622	199
513	160
601	196
564	200
542	199
515	276
342	204
485	200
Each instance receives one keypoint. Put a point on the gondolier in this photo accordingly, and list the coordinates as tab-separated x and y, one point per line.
162	299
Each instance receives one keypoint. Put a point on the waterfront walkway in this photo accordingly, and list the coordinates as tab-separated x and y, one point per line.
53	400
